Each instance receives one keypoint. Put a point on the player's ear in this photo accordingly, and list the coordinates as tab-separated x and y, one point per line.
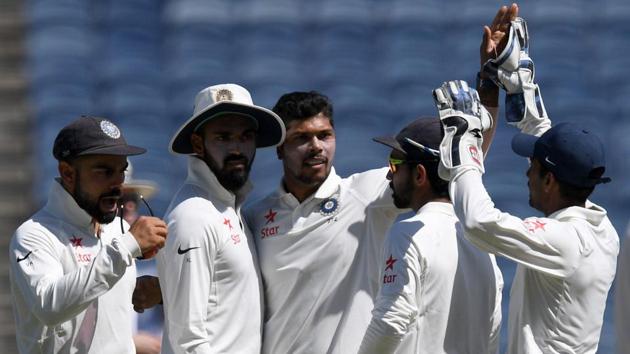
197	144
420	177
280	152
549	181
68	174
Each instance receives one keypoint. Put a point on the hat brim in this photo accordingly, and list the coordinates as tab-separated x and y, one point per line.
391	142
271	130
523	144
120	150
144	188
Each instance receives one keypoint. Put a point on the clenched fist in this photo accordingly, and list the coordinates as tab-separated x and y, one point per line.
150	233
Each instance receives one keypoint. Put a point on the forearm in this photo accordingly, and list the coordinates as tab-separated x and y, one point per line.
57	297
547	246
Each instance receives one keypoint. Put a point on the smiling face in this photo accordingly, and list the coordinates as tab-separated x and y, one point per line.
95	183
307	154
228	145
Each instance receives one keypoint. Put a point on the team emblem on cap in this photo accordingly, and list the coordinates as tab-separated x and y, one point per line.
223	95
110	129
328	206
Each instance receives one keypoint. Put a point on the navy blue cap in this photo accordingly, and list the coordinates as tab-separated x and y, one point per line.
89	135
420	140
574	155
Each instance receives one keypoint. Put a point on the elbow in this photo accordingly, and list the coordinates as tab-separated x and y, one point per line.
472	225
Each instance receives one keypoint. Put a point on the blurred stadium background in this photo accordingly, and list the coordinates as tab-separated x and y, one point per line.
140	63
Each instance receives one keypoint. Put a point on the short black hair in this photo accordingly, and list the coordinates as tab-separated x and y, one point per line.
573	194
438	185
300	105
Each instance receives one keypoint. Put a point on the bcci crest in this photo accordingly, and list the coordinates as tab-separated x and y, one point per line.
223	95
110	129
329	206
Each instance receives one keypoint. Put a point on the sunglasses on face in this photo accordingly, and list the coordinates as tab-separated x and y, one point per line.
394	163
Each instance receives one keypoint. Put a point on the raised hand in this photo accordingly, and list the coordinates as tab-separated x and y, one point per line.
150	233
495	36
464	120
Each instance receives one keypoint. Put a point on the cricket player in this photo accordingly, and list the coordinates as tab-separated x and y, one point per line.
208	268
565	260
439	294
71	267
317	237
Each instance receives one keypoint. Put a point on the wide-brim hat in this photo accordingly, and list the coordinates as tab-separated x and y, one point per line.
143	187
224	99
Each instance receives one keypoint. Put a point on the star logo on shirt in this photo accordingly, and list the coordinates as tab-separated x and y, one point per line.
534	225
76	241
228	223
389	263
271	216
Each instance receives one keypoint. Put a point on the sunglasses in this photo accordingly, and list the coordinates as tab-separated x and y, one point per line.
121	213
431	155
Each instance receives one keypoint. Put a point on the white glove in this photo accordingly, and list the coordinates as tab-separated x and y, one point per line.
464	119
513	70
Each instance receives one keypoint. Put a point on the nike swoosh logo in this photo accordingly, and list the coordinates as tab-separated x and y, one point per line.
182	251
549	161
25	257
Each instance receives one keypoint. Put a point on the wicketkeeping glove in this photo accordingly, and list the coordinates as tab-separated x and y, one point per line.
513	70
464	119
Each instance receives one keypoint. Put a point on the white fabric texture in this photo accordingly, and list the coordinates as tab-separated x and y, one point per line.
566	264
439	293
318	262
71	289
622	298
208	271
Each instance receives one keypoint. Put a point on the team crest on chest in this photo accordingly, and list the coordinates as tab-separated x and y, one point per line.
329	206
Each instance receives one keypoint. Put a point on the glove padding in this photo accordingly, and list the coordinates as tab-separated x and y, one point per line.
464	119
513	70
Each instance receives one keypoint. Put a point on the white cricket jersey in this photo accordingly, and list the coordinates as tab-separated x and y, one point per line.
208	271
318	261
439	293
566	264
622	298
71	288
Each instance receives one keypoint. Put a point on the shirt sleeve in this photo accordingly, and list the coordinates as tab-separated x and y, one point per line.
55	296
622	299
396	308
542	244
186	278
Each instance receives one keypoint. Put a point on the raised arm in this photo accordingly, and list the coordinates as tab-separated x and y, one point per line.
513	71
494	40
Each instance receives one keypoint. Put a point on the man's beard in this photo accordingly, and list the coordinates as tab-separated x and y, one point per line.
314	179
230	179
402	199
92	207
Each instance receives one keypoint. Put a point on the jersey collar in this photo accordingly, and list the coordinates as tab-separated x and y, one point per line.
592	213
63	206
437	207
